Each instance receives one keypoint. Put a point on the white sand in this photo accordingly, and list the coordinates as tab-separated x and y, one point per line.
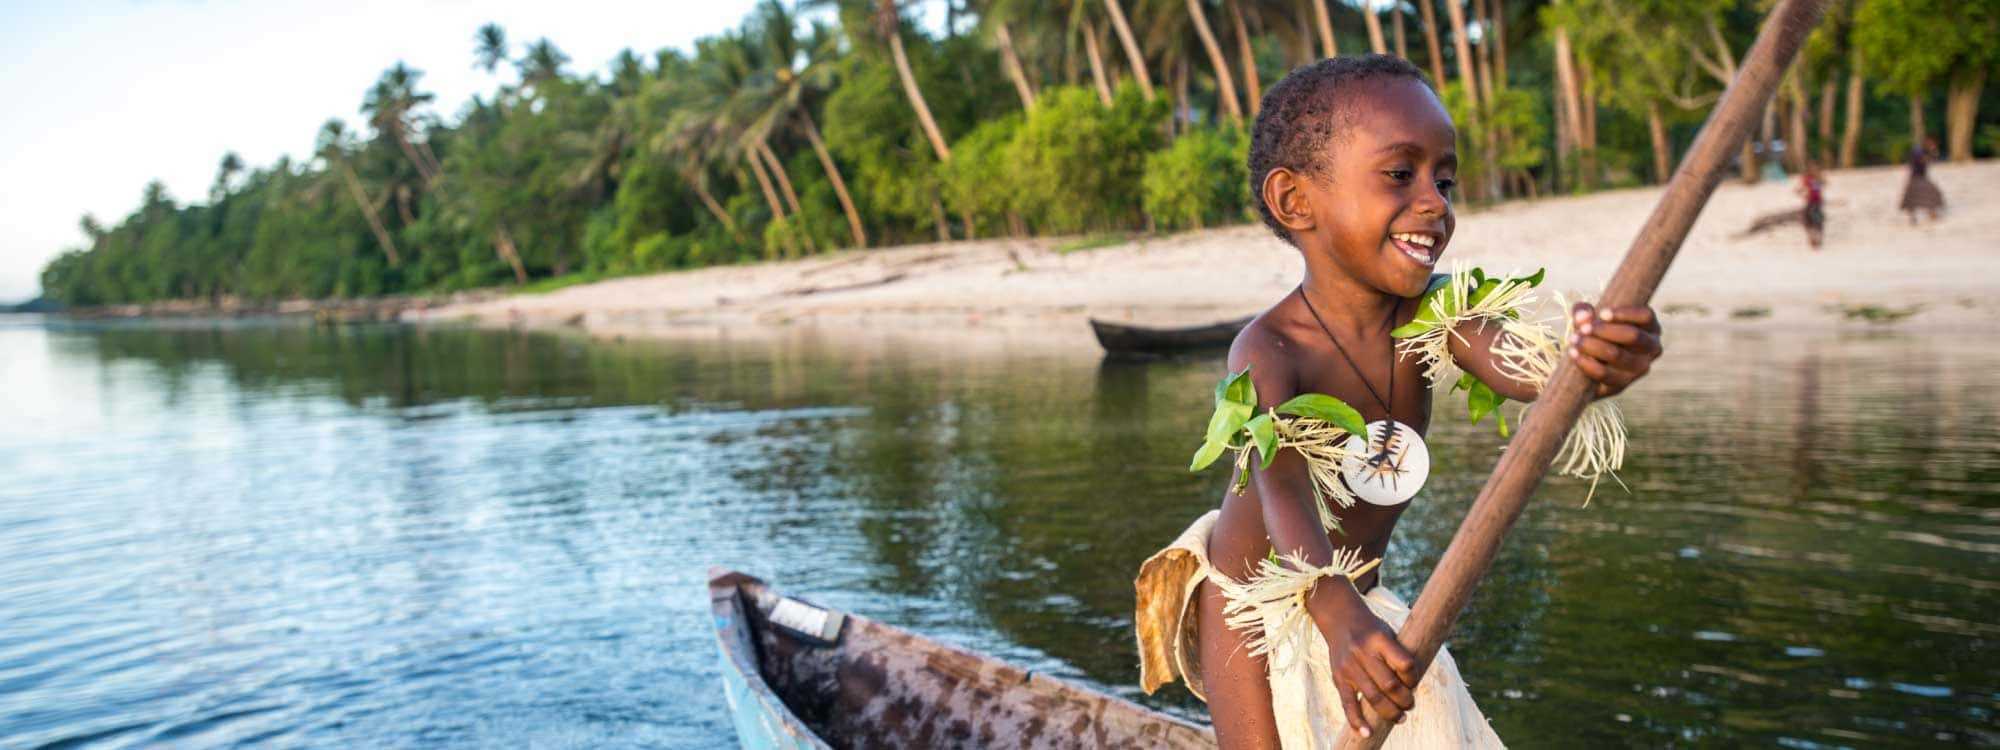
1026	289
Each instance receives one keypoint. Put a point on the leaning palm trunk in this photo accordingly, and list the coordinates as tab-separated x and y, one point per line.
1827	91
374	220
714	208
503	245
1402	47
1096	62
1324	20
1850	135
1253	93
1663	158
1961	112
1012	63
1795	120
1470	80
785	187
1376	43
833	176
1133	54
1431	41
771	199
1572	101
916	95
1225	87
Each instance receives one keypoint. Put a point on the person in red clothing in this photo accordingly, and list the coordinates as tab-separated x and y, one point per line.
1812	185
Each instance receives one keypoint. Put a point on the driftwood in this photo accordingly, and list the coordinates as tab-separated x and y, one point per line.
805	291
1527	457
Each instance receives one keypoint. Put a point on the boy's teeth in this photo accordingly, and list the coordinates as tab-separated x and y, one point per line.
1415	239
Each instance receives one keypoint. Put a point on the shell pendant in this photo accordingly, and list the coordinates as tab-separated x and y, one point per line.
1390	466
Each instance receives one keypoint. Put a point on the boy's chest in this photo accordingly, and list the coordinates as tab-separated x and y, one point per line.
1377	391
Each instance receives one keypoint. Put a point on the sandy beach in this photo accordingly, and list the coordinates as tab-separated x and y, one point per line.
1873	270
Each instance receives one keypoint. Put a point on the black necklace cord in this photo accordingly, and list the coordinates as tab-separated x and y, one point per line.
1386	408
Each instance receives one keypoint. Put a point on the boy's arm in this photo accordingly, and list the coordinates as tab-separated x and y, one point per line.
1613	347
1368	663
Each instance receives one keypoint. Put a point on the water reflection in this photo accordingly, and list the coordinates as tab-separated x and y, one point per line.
366	535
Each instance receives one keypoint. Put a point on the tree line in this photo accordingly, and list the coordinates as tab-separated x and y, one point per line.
828	124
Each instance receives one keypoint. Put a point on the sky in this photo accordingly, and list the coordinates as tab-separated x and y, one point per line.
106	95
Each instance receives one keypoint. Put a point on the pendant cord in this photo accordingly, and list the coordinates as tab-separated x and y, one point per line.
1389	412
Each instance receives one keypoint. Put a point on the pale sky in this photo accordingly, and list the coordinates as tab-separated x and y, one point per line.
105	95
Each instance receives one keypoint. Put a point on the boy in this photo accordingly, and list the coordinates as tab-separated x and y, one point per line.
1352	161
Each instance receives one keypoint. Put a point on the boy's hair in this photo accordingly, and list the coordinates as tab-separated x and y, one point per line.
1305	111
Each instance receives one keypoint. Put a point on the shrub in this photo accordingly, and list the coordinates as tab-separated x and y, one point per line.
1199	180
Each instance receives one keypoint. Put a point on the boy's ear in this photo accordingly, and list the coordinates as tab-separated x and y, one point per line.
1285	195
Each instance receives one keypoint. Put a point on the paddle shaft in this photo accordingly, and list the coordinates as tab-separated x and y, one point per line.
1528	455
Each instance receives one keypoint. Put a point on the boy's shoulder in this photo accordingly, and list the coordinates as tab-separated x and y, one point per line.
1270	351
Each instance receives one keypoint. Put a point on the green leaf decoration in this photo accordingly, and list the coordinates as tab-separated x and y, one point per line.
1210	450
1465	382
1237	389
1478	276
1266	434
1502	418
1480	292
1482	400
1327	409
1536	279
1227	419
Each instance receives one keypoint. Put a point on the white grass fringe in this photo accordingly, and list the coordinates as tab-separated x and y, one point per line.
1527	351
1272	603
1324	447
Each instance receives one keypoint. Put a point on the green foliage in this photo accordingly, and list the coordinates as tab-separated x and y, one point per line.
1914	46
1075	163
645	167
1199	180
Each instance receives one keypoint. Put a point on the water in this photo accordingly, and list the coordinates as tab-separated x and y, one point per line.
362	537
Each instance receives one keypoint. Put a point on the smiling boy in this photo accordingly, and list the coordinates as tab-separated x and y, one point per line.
1352	161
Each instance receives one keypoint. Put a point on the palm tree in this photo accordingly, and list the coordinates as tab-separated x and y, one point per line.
1323	18
1374	24
888	22
541	63
998	16
388	106
230	166
1133	55
800	72
333	147
490	47
1225	86
1431	40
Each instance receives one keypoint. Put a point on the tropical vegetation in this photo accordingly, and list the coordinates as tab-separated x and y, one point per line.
829	124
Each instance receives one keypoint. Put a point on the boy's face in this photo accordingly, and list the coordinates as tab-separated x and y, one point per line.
1381	204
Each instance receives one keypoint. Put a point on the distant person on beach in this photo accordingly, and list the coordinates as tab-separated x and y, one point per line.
1264	607
1812	186
1919	193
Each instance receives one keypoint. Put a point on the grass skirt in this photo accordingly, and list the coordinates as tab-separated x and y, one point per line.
1303	700
1921	193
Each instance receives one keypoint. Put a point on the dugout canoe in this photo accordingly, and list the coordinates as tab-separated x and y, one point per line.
797	675
1119	338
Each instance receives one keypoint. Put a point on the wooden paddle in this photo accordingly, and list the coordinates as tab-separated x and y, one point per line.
1527	457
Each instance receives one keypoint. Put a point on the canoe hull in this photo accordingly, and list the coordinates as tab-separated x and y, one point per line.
1119	338
872	685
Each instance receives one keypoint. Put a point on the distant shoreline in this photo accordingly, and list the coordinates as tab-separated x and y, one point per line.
1874	270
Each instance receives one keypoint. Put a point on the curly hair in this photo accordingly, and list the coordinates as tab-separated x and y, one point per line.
1305	111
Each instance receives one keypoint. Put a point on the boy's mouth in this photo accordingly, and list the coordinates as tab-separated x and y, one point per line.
1422	247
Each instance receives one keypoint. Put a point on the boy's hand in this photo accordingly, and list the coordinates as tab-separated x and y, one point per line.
1370	667
1614	346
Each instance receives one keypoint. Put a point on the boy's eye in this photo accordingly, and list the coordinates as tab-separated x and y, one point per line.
1445	186
1400	175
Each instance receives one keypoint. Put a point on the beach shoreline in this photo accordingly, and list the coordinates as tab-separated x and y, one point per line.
1873	271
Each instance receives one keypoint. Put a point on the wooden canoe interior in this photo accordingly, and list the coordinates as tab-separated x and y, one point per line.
879	686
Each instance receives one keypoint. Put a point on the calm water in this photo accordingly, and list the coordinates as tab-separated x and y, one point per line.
216	536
